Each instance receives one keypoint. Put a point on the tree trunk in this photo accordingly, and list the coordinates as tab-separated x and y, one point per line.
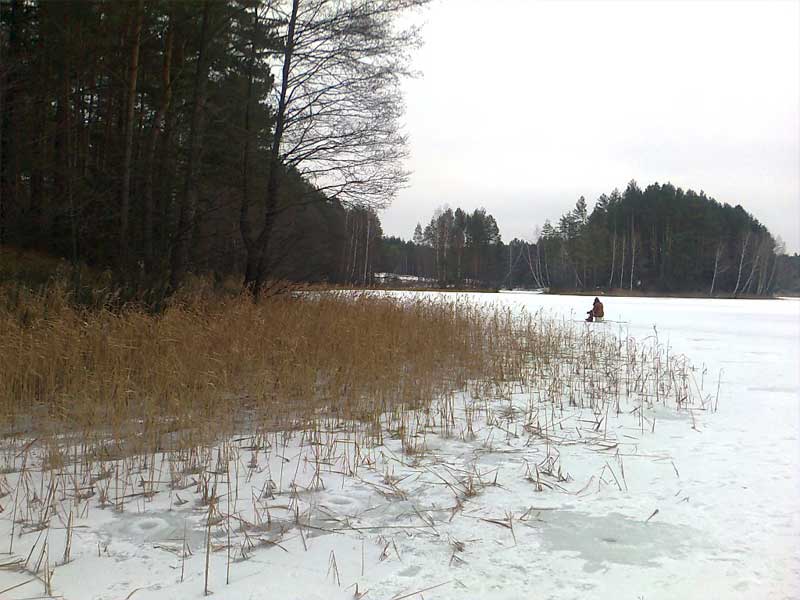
166	206
771	281
158	123
127	158
459	255
546	267
613	258
716	269
253	256
354	262
510	277
763	275
61	158
183	236
274	160
741	262
666	246
754	267
41	141
345	250
633	251
366	247
62	175
541	281
8	105
578	281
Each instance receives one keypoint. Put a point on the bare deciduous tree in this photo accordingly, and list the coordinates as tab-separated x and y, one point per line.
717	270
741	262
337	108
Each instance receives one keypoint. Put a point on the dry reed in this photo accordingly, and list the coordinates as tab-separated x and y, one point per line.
149	381
110	407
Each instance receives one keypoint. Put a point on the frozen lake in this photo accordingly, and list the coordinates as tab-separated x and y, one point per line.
740	527
704	505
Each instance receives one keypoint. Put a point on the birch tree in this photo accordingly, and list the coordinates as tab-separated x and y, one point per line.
741	262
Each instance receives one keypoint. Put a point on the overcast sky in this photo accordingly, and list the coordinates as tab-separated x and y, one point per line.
525	105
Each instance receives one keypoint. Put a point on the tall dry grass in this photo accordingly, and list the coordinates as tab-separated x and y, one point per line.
209	361
211	364
121	406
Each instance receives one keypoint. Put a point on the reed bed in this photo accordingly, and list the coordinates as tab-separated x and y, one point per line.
132	376
201	405
144	380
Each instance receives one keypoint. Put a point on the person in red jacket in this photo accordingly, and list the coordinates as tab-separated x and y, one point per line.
596	314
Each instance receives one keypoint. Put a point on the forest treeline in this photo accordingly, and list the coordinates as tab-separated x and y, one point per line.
155	138
260	138
455	248
659	239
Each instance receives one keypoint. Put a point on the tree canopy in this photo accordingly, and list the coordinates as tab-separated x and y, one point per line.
260	138
160	137
660	239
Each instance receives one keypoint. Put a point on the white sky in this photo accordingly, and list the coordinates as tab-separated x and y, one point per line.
525	105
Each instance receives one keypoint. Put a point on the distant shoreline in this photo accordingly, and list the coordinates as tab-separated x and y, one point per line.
623	293
613	293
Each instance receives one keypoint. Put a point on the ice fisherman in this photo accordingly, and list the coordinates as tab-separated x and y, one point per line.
596	314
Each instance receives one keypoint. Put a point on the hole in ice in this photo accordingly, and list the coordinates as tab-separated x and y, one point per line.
615	538
410	571
339	500
156	527
148	524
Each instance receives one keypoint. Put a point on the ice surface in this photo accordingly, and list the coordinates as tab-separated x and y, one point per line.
725	485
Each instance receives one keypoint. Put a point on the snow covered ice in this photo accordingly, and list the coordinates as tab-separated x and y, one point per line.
695	504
